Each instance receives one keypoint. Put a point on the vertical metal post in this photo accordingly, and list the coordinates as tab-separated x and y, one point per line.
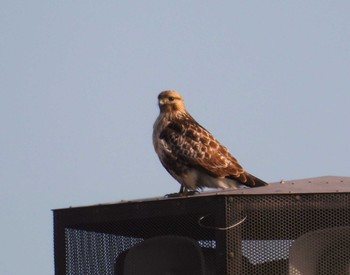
220	236
234	236
59	245
229	240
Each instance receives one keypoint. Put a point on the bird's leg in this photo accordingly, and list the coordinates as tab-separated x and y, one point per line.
183	189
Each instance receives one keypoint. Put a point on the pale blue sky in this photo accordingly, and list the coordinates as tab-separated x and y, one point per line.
79	82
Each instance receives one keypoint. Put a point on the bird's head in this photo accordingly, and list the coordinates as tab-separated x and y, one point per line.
170	101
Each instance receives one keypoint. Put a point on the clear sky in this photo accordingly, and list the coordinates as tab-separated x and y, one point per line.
79	83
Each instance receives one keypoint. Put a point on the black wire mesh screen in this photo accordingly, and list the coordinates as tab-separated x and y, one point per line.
289	234
94	253
278	234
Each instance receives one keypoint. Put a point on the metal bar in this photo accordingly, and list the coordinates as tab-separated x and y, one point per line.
59	245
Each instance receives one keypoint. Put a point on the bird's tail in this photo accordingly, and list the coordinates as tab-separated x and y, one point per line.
255	182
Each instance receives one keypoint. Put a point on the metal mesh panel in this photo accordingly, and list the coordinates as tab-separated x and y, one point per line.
274	222
94	253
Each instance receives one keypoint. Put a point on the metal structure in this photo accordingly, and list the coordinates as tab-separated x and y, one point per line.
293	227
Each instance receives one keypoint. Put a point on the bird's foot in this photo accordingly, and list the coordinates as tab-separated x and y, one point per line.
175	195
184	192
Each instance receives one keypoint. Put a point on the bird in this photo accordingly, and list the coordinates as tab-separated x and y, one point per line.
191	154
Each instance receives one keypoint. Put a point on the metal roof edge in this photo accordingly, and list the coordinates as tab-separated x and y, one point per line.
323	184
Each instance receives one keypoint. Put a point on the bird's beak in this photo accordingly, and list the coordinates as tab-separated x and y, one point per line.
161	102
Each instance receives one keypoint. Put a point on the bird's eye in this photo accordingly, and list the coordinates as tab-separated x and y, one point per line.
171	98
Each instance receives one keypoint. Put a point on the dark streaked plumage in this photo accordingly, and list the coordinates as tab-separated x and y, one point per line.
190	153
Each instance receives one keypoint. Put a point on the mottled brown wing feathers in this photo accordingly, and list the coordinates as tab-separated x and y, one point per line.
192	144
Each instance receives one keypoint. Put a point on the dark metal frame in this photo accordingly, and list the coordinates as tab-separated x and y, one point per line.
147	218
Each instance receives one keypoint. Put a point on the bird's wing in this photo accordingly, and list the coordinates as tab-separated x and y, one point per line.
193	145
